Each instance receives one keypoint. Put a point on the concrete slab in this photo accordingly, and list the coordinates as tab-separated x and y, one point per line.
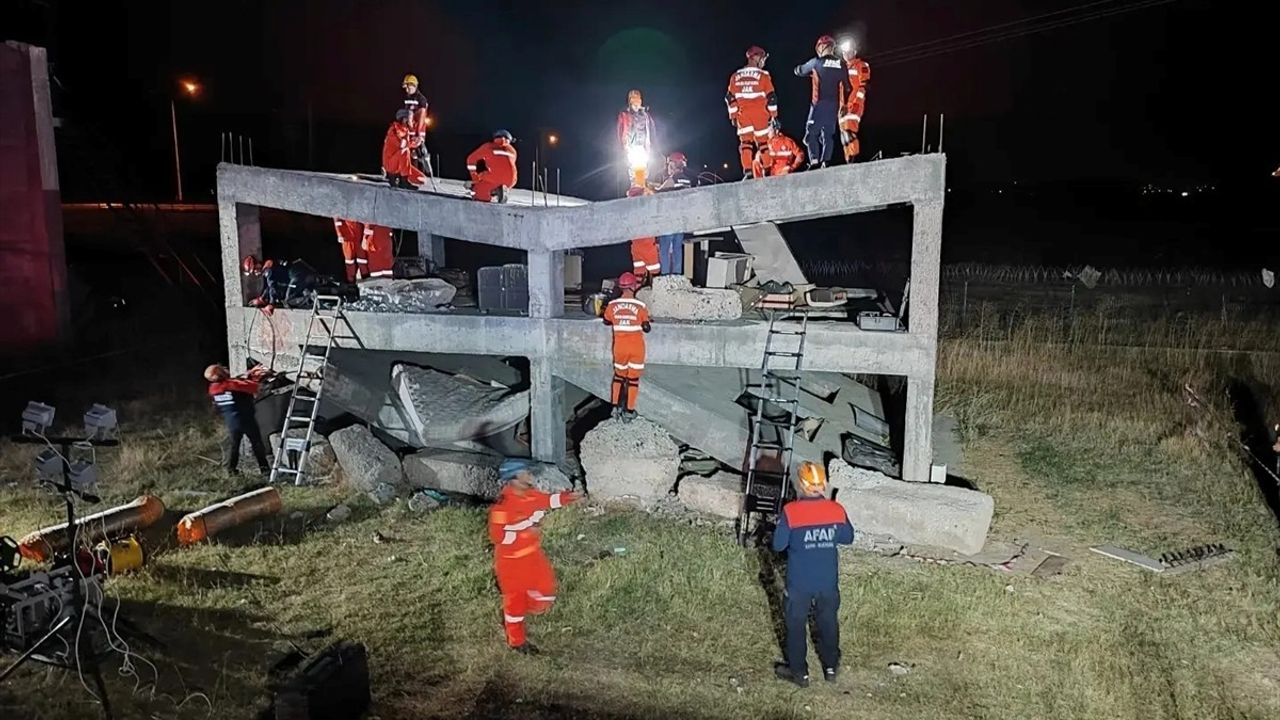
772	255
719	495
675	297
366	463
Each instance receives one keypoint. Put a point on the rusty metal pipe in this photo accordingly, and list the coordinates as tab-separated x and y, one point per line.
44	543
204	524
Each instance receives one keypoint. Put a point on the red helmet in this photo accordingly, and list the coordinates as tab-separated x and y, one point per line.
635	191
249	265
628	281
678	158
756	51
824	40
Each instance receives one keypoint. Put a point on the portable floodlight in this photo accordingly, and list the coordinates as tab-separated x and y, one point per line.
48	466
99	422
37	418
84	476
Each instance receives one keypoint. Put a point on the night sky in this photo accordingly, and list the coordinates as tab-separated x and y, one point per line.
1172	91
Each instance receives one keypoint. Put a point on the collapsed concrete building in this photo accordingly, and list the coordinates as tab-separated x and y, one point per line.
696	371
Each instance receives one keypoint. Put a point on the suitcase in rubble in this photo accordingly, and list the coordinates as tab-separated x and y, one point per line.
503	287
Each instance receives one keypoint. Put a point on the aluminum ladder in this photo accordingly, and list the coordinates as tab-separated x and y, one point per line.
308	386
773	433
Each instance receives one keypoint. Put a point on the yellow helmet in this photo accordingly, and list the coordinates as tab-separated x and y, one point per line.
410	79
812	478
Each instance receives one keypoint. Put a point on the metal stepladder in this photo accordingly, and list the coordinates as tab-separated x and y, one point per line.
774	422
304	401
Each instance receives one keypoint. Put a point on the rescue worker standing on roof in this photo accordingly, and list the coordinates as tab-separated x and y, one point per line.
809	529
498	175
829	78
525	576
397	161
233	397
350	237
671	247
779	156
636	134
753	106
416	103
629	319
856	103
645	262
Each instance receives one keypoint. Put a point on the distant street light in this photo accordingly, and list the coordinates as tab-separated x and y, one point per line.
553	139
192	89
726	166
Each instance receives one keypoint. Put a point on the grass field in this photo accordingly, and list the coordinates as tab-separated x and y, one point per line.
1080	440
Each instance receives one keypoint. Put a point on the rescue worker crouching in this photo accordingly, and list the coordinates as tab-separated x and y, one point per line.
234	398
809	529
856	103
829	81
397	161
288	283
498	174
629	318
779	156
525	576
752	105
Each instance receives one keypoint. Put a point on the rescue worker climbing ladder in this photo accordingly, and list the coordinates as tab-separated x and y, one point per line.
629	319
856	103
525	576
829	78
753	106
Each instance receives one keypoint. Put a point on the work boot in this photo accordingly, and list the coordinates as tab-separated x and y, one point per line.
628	415
829	674
527	648
784	673
617	412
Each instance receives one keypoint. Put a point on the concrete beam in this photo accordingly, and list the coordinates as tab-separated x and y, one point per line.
547	413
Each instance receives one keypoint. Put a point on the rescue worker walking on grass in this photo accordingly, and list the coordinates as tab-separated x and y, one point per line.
829	78
629	318
498	175
234	397
779	156
809	529
856	103
397	162
525	576
753	106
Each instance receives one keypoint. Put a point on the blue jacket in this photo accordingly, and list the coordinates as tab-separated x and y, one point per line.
809	529
829	78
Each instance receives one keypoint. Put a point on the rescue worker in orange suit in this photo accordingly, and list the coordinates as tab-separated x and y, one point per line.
525	576
636	135
629	318
856	103
809	529
779	156
753	106
829	78
645	259
351	237
234	398
416	103
397	160
375	243
498	175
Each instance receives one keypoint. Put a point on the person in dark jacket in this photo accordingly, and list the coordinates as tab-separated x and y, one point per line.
829	78
234	398
809	529
671	247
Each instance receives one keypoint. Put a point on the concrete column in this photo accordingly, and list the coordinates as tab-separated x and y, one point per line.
917	436
240	230
546	284
547	416
431	247
926	269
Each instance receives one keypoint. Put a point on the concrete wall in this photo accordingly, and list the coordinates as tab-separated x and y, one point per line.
550	340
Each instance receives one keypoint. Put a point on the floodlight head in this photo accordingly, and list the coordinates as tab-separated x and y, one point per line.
48	466
99	422
37	418
83	475
637	157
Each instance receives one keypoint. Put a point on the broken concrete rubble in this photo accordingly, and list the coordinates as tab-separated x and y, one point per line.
675	297
912	513
417	295
719	495
464	473
629	460
366	463
442	408
321	462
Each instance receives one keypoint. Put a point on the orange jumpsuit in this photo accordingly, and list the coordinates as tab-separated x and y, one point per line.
855	105
628	317
644	257
377	246
752	107
781	155
396	162
499	169
350	236
525	576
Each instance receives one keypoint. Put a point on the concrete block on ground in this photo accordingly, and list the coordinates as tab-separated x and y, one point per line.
634	460
465	473
366	463
550	479
720	494
673	296
912	513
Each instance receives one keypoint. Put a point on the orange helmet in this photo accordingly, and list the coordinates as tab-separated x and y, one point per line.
812	478
250	265
824	41
216	373
628	281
